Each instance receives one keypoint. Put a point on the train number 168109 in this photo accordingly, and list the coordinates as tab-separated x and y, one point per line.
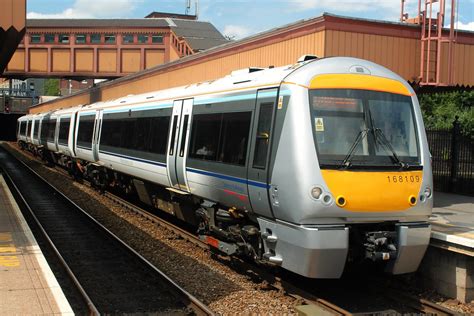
402	179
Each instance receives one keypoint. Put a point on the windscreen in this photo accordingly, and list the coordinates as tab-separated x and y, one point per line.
363	128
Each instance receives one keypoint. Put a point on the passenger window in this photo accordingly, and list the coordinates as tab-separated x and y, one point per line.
22	128
86	129
221	137
183	136
205	136
234	138
263	135
30	124
35	130
44	129
144	134
173	135
51	130
64	131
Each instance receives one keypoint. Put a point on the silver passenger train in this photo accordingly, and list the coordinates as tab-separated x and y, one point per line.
308	166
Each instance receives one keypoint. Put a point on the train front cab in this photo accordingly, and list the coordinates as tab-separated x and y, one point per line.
348	185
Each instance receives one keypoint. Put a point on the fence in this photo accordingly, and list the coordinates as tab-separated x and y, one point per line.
453	160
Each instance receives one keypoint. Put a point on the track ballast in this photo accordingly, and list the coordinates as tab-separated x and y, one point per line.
115	278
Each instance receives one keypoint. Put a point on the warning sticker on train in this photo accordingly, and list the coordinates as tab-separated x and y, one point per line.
319	124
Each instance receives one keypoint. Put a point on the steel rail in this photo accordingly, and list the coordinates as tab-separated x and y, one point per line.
420	304
90	305
196	305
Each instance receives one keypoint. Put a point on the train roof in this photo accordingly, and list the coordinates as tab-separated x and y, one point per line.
238	80
244	80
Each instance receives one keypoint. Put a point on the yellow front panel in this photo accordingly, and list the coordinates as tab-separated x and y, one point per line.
378	191
360	82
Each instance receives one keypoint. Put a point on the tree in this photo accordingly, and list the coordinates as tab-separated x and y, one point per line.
51	87
440	110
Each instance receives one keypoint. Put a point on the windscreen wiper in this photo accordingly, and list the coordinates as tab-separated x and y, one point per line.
385	143
346	163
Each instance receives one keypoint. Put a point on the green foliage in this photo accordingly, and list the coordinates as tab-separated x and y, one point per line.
440	110
51	87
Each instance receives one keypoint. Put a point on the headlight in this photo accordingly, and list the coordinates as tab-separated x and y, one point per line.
327	199
427	192
316	192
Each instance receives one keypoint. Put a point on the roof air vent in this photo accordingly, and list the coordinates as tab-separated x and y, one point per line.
245	71
304	58
359	69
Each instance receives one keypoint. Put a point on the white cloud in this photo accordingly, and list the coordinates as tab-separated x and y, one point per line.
467	26
237	32
91	9
345	5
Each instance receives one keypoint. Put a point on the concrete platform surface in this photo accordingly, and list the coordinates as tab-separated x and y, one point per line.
27	284
453	219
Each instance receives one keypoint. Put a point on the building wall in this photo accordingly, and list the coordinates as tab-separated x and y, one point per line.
464	64
275	54
92	60
401	55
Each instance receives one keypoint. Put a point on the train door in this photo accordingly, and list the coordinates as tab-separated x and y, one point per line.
72	131
56	132
178	144
260	151
96	134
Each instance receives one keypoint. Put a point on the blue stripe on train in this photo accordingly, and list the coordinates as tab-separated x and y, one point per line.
133	158
230	178
206	173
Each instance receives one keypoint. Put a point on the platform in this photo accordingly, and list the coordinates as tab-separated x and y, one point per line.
27	284
448	265
453	219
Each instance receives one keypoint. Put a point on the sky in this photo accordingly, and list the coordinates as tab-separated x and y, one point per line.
239	18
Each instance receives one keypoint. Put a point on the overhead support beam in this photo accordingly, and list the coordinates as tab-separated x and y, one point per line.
12	28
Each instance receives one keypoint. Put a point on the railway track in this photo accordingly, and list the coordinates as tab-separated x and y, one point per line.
318	304
111	276
277	283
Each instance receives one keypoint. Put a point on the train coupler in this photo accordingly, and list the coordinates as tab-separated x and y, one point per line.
380	245
222	246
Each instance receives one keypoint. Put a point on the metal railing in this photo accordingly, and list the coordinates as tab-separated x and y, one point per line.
452	159
17	92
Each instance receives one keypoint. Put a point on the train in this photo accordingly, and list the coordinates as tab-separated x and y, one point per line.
312	167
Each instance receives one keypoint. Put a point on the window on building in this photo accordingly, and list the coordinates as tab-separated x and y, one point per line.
64	38
127	39
80	39
142	39
49	38
109	39
85	131
221	137
35	39
63	136
157	39
95	38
